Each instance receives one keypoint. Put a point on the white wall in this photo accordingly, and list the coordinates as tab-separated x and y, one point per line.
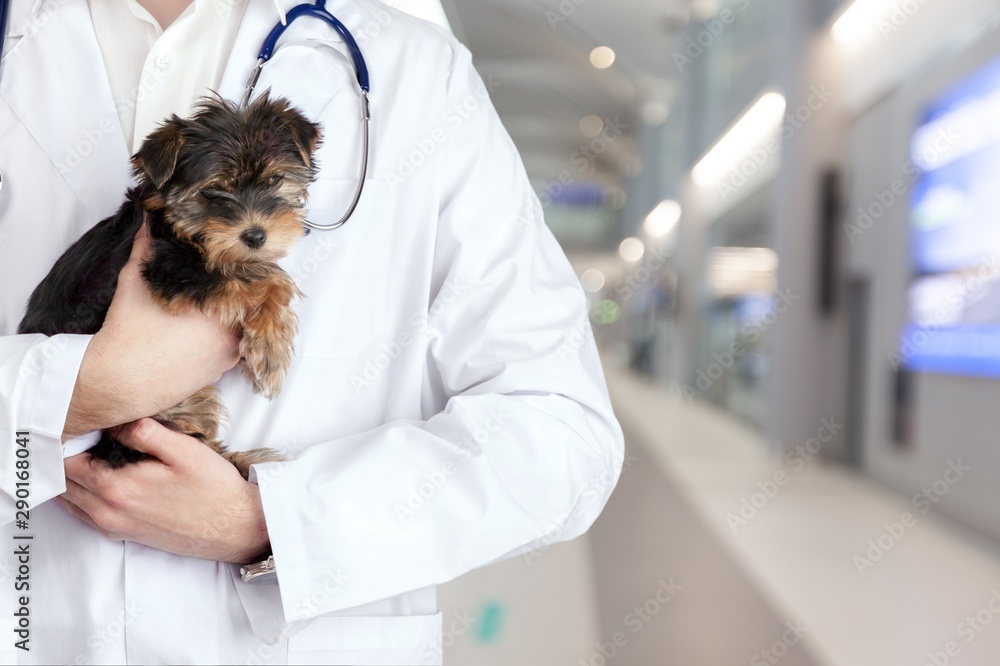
904	42
807	383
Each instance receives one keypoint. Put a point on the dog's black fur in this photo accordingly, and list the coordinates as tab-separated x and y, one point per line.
222	193
76	295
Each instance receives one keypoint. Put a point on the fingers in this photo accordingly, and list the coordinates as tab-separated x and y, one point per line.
76	511
94	511
152	437
87	506
233	341
82	498
86	471
141	251
96	476
141	245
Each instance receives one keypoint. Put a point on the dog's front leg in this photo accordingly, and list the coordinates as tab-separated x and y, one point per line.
269	333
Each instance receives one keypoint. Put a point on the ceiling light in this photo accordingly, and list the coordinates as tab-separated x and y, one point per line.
593	280
754	128
858	19
631	249
740	271
602	57
662	220
704	9
655	114
591	126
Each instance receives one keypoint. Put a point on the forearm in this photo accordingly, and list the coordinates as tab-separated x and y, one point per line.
144	367
542	475
105	394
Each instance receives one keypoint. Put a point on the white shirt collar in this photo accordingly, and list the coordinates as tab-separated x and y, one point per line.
282	6
281	11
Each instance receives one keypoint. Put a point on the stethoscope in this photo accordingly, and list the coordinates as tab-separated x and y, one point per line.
267	49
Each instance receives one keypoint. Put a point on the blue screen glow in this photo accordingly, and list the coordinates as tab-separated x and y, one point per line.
954	299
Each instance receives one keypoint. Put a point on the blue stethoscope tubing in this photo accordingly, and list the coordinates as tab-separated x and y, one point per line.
317	10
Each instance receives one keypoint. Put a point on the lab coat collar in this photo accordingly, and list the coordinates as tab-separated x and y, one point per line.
22	14
285	6
282	7
259	19
87	138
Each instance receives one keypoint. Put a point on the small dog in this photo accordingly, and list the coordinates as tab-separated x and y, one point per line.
223	195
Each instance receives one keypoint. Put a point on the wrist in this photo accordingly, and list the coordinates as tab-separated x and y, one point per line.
256	543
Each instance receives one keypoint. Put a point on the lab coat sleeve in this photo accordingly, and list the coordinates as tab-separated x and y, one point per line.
37	377
526	449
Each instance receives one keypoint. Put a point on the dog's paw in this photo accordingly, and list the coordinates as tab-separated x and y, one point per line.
266	348
265	364
243	459
264	375
197	416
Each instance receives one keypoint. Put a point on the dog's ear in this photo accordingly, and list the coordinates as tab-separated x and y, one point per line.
305	134
157	156
282	117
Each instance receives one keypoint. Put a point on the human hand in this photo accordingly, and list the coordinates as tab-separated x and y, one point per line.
146	359
189	500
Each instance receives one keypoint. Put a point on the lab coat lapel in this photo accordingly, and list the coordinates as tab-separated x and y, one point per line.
66	102
258	19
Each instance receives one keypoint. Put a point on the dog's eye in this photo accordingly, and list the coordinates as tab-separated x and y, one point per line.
214	195
274	181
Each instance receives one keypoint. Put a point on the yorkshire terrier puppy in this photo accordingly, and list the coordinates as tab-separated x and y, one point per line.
223	195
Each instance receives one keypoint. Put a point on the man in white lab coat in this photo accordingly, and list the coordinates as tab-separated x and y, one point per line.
445	407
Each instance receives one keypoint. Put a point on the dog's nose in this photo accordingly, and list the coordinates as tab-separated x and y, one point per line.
254	238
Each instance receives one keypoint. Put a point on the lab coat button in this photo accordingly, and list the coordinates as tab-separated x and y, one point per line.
161	63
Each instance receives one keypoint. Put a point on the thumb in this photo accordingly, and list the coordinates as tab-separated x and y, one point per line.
149	436
141	244
141	252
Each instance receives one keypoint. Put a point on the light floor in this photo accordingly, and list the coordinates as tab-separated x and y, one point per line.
790	566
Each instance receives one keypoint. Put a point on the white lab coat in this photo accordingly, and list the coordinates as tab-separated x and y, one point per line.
445	407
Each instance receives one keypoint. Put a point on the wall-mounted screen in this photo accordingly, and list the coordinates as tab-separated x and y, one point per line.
954	299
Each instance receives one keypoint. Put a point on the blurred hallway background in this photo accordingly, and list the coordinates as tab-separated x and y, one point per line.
783	213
